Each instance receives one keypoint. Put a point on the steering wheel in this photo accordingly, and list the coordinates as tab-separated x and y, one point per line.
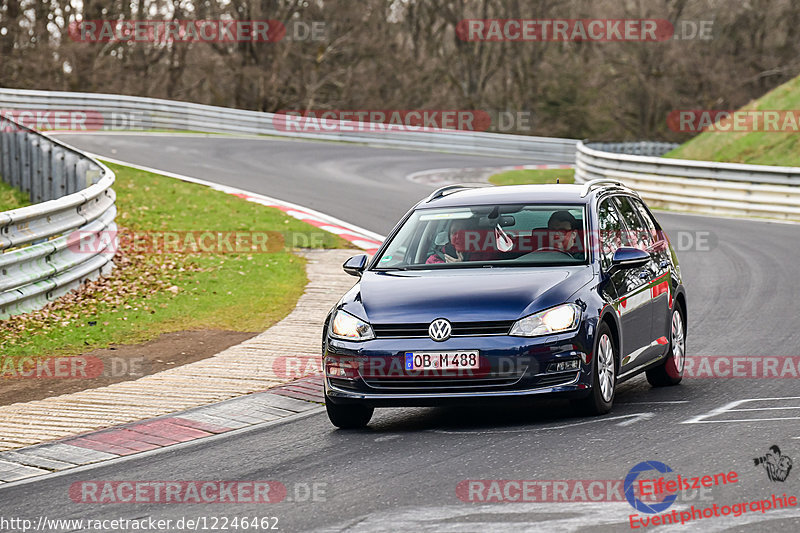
551	249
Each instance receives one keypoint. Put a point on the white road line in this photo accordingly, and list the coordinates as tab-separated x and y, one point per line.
629	419
649	403
766	408
719	410
636	418
771	399
743	420
731	407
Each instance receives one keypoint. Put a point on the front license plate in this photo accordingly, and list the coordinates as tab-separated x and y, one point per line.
467	359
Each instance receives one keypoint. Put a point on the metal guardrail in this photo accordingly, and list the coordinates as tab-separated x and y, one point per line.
724	189
42	258
43	247
110	111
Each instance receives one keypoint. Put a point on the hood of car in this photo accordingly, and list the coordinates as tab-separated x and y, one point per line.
462	295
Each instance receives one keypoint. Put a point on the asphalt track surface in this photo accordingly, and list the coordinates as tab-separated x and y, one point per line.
401	473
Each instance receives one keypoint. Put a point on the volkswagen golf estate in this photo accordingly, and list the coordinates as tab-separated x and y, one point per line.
502	292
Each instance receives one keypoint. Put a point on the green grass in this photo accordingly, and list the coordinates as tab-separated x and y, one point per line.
11	198
763	148
524	177
239	292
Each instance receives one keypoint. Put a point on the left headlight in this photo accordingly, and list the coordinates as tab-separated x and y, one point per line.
558	319
348	327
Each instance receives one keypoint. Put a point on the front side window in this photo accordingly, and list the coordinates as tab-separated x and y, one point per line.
488	235
613	233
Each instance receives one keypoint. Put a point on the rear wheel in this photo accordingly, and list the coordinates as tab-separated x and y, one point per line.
348	416
671	372
604	375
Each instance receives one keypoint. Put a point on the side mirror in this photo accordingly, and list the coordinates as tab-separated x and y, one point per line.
627	257
355	265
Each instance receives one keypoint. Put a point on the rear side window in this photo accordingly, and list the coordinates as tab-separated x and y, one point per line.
639	235
650	224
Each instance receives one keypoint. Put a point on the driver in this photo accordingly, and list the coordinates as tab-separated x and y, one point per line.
455	250
563	229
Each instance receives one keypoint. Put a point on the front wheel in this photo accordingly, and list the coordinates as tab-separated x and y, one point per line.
348	416
671	372
604	376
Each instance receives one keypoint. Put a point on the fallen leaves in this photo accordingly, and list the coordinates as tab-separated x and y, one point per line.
134	278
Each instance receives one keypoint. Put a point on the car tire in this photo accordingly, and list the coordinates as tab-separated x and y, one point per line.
604	375
671	371
348	416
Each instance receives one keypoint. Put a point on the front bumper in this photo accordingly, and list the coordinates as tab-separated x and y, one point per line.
511	368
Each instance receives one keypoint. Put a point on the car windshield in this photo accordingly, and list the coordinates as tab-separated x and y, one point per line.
488	235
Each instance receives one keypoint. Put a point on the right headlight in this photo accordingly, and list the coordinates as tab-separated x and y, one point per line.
559	319
349	327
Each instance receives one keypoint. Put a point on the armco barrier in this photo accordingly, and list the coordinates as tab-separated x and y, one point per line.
73	192
40	257
111	111
724	189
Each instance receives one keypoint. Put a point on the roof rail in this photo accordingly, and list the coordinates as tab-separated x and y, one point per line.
450	189
589	185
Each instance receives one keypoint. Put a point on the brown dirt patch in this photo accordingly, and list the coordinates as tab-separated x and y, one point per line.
122	363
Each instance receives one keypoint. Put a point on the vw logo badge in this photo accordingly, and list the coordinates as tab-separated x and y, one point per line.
440	330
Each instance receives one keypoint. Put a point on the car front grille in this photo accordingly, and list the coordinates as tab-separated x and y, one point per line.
460	329
439	384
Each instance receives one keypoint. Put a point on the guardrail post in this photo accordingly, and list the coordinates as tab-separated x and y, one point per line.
37	178
82	177
25	164
15	176
46	174
70	172
59	181
5	153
